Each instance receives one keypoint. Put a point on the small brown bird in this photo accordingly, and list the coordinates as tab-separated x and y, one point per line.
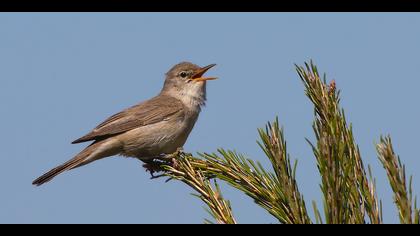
147	130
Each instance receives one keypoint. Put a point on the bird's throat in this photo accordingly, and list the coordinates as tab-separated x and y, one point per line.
194	97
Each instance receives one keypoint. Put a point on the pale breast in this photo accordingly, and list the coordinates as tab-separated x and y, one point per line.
159	138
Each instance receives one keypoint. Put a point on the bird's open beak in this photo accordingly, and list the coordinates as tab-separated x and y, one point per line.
200	72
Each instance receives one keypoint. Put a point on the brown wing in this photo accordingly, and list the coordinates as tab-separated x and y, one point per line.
152	111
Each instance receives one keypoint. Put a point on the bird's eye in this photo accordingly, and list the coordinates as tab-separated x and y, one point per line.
183	74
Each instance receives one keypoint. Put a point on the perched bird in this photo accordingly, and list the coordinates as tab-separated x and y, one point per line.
149	129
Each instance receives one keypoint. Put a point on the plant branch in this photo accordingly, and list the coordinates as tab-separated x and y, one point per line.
348	194
397	179
188	170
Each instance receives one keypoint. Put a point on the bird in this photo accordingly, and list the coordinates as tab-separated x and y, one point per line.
149	129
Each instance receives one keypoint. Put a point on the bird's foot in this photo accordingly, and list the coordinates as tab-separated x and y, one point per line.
171	156
153	166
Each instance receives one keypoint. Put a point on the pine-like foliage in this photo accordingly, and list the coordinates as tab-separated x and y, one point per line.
349	194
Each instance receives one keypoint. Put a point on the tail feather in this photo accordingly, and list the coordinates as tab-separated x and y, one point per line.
57	170
80	159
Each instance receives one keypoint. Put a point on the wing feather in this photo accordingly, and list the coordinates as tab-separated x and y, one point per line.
149	112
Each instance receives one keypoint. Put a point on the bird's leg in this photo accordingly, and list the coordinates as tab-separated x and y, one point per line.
170	158
154	164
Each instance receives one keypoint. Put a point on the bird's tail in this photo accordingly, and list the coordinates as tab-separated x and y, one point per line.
84	157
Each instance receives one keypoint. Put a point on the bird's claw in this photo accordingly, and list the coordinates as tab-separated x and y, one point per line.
172	156
155	165
152	167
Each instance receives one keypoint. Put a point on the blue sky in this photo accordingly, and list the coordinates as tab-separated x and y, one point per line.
63	73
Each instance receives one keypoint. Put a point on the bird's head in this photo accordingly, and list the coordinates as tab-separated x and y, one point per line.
185	81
